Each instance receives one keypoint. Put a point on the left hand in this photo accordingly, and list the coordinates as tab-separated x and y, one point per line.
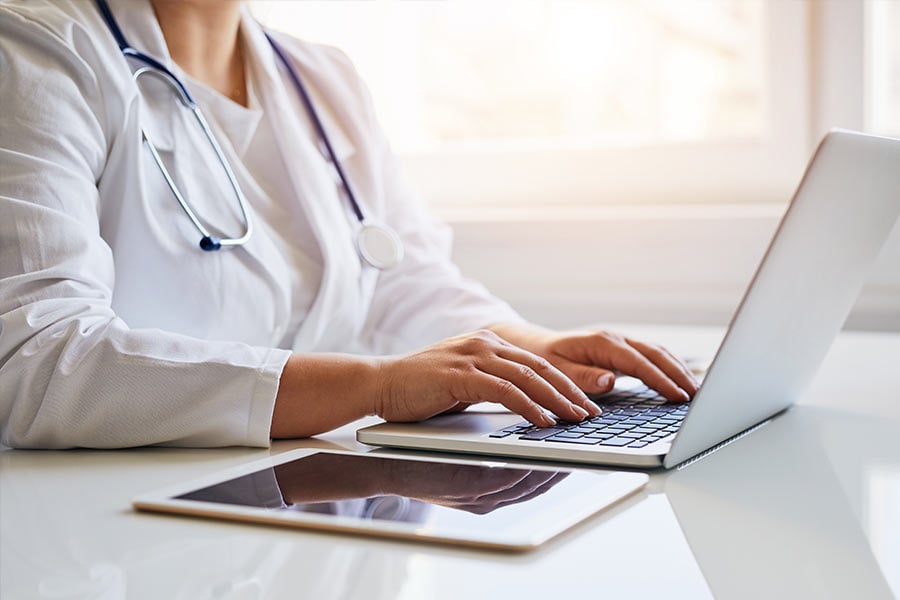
591	359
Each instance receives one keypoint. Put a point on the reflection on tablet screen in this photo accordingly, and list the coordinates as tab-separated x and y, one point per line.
379	488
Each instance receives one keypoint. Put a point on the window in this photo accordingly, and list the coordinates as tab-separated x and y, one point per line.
512	103
550	133
551	72
883	109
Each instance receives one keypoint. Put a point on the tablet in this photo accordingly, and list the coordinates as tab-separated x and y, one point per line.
434	499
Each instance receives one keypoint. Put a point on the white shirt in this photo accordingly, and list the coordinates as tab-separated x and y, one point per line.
115	328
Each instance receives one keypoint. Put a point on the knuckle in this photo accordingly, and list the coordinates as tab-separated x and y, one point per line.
482	339
543	365
608	337
505	389
526	373
653	350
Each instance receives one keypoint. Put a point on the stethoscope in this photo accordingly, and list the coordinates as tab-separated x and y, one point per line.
378	245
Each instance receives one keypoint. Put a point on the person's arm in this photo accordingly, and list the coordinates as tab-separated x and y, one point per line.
321	392
72	373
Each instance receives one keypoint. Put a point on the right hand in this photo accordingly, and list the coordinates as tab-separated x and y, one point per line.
472	368
471	488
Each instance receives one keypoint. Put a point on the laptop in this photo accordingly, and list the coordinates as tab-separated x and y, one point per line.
794	307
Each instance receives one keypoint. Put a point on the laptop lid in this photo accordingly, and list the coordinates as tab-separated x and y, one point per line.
819	258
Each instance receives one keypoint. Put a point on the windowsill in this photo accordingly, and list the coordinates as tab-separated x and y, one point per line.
583	213
564	266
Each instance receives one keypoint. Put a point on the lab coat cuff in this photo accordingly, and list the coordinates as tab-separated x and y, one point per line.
263	400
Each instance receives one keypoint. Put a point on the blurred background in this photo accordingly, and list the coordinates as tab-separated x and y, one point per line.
618	160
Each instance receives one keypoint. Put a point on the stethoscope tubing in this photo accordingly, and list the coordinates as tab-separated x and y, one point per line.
317	123
384	252
209	241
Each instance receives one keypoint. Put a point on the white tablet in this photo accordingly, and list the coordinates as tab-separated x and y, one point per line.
462	502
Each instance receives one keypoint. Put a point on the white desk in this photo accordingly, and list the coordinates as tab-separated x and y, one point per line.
806	507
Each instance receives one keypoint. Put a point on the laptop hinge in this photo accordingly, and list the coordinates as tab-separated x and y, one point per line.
720	445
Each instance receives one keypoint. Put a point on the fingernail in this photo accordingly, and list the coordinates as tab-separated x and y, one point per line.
594	409
579	411
547	420
605	380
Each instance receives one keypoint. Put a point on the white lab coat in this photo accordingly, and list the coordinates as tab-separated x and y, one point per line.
115	328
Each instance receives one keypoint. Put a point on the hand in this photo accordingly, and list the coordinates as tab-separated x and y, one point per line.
471	488
327	477
472	368
591	359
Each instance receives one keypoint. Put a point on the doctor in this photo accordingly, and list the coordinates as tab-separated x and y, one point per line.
258	271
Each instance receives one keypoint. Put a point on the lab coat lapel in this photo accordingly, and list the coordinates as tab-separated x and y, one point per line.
337	313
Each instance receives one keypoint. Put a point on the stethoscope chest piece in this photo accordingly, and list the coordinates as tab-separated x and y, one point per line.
379	246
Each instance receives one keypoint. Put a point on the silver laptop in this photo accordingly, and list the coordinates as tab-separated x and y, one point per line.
794	307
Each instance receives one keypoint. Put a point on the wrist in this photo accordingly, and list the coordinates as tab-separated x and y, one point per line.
319	392
527	336
380	382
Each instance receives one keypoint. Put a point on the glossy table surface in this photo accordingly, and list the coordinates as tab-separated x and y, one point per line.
806	507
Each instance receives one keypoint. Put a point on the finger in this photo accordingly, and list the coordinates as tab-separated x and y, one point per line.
683	364
532	484
541	489
667	363
593	380
547	372
487	387
629	361
537	388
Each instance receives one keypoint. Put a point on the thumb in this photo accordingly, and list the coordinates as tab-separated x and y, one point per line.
592	380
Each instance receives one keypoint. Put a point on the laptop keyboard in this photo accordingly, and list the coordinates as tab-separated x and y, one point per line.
630	419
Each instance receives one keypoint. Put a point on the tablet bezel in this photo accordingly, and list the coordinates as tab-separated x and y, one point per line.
610	488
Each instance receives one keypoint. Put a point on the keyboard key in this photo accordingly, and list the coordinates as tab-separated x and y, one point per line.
600	435
637	445
641	419
570	434
616	441
644	430
595	425
570	440
539	434
500	434
581	430
632	435
617	430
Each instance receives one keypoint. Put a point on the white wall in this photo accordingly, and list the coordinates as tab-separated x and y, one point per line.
642	264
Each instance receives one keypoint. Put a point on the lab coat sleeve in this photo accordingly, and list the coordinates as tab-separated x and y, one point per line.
73	374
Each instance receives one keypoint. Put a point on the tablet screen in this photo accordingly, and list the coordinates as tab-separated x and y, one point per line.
408	497
382	488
